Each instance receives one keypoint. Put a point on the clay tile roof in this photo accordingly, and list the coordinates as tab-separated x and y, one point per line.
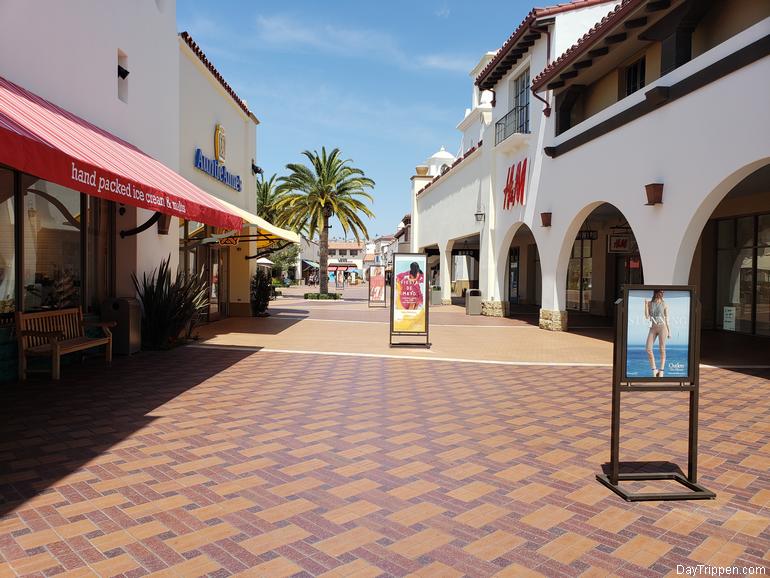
521	30
207	63
586	41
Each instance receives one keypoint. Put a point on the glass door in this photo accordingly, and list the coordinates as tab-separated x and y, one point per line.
214	288
513	276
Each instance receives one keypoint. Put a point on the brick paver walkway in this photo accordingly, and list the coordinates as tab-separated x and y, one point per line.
209	461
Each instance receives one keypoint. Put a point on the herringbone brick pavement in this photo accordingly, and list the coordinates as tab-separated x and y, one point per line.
219	462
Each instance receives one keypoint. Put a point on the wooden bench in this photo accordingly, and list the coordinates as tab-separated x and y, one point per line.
55	333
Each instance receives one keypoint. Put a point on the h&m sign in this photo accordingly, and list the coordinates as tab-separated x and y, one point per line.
513	192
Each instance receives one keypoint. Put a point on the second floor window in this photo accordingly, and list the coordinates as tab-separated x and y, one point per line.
521	101
633	77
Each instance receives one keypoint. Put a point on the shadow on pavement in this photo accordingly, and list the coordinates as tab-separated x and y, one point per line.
48	430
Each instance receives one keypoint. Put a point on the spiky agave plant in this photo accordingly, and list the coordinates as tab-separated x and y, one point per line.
169	306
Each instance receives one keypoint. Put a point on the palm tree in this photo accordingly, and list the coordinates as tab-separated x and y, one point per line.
267	195
310	196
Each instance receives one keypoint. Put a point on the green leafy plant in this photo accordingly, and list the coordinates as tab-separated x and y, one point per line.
259	293
169	307
323	296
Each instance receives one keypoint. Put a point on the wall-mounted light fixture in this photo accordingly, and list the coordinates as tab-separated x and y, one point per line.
122	72
255	170
480	217
654	193
545	219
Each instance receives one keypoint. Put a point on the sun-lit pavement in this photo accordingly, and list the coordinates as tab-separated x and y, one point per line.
219	461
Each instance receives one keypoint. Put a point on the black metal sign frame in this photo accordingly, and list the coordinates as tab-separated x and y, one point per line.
377	304
426	301
622	384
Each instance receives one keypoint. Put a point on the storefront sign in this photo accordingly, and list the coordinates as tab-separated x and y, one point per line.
408	308
216	167
619	243
656	344
376	284
513	192
728	318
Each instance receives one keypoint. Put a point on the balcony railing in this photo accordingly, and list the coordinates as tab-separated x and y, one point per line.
516	121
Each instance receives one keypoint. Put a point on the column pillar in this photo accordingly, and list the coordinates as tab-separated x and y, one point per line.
553	309
445	272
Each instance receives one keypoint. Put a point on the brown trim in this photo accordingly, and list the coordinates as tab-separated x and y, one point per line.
657	97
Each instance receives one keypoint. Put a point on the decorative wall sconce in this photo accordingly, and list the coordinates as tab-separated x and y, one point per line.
654	193
480	217
164	223
545	219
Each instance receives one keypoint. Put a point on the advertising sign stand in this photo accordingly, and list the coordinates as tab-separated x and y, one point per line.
409	300
376	290
623	384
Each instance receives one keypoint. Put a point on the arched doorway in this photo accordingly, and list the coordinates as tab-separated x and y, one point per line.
731	262
604	256
522	277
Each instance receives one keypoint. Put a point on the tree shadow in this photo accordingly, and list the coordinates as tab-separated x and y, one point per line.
49	430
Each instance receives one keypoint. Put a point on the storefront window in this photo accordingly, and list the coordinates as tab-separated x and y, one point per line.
743	274
7	248
52	245
579	276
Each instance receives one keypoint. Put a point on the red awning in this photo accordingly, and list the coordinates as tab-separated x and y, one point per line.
48	142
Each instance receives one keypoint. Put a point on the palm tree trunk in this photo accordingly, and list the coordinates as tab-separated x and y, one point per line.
324	272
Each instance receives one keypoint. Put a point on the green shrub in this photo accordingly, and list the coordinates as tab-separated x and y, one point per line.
169	307
259	294
323	296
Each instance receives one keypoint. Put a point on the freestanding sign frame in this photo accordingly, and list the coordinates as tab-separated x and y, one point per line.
372	302
395	301
623	383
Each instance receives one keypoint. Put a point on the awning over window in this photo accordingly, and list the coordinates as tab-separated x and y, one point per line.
311	264
267	233
46	141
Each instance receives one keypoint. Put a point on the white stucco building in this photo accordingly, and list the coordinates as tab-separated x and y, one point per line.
601	100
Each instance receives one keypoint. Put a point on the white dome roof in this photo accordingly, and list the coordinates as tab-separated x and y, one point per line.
442	155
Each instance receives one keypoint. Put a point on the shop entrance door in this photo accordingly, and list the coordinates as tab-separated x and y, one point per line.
628	271
513	276
214	284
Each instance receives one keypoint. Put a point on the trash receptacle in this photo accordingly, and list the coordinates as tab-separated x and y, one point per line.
473	302
127	334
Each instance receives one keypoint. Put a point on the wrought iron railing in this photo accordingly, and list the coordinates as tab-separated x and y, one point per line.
516	121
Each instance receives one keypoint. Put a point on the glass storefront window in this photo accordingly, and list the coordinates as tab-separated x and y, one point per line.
743	274
7	248
579	276
52	245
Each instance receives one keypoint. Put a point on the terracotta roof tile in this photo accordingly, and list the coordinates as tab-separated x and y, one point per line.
207	63
586	41
522	28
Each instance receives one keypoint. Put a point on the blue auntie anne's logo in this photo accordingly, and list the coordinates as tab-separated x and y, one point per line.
216	166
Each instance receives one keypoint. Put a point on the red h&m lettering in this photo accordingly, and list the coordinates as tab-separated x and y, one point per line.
513	192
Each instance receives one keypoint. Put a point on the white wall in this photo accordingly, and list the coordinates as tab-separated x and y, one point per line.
67	52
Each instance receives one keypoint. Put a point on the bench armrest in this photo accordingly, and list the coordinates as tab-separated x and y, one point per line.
105	326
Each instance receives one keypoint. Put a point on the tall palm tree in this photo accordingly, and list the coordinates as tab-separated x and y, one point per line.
267	195
310	196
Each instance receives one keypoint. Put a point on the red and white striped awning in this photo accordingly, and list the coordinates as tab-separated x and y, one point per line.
46	141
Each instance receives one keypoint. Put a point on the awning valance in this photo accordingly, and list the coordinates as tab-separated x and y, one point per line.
48	142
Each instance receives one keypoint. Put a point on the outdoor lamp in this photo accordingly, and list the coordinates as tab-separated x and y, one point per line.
480	217
122	72
545	219
654	193
255	170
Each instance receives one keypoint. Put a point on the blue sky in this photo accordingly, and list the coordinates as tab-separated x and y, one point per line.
386	82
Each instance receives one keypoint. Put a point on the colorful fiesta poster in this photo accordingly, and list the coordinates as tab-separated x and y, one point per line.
377	284
410	290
